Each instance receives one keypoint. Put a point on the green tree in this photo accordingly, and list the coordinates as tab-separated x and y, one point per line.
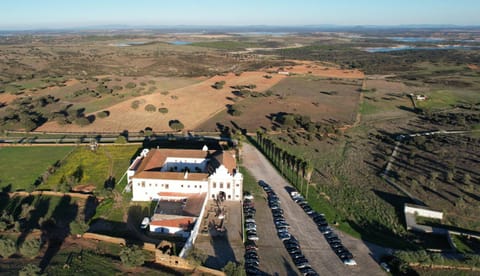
163	110
121	140
103	114
78	227
176	125
30	270
82	121
233	269
135	104
132	256
30	248
7	247
150	108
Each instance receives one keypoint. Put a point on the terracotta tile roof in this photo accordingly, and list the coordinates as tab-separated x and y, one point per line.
150	166
184	222
171	175
226	159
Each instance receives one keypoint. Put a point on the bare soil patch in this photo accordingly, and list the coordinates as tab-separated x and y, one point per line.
306	67
320	99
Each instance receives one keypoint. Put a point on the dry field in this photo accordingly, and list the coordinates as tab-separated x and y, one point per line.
304	95
192	105
312	68
195	104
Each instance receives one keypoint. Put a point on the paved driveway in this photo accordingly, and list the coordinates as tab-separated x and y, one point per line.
314	245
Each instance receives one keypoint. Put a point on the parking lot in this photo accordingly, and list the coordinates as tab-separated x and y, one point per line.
313	243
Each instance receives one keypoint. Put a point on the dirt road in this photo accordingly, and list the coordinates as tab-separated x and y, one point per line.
313	244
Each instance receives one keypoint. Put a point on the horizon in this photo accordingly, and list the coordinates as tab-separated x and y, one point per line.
58	15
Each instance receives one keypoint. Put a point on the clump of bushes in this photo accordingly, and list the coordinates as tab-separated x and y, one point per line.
135	104
176	125
218	84
103	114
163	110
150	108
130	85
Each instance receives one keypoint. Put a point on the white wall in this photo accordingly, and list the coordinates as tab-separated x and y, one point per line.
181	163
424	212
148	189
222	181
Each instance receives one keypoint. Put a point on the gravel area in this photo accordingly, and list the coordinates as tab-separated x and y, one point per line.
273	256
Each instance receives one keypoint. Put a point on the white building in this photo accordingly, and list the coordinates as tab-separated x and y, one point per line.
157	172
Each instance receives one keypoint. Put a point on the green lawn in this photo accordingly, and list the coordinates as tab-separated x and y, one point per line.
250	184
21	166
93	167
441	99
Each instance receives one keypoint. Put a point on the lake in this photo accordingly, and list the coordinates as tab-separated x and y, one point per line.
179	42
407	47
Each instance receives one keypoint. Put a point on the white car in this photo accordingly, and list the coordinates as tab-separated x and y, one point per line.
385	266
349	262
145	223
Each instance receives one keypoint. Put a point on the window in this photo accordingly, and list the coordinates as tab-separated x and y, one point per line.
214	185
200	186
229	197
238	185
166	186
228	185
138	183
195	186
237	196
188	186
156	184
150	184
143	184
181	186
213	196
221	185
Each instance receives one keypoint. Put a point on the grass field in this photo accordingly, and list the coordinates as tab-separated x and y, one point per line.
93	167
21	166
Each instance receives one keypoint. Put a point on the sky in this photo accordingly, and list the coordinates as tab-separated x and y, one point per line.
31	14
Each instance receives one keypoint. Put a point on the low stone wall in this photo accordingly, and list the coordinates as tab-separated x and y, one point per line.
51	193
177	263
105	238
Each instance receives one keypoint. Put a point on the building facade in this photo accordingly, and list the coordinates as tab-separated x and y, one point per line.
157	172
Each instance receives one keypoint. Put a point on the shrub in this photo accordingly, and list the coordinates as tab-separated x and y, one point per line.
7	247
150	108
163	110
121	140
103	114
176	125
82	121
78	227
30	248
218	84
135	104
30	270
130	85
132	256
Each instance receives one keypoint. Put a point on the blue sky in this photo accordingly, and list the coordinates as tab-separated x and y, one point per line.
74	13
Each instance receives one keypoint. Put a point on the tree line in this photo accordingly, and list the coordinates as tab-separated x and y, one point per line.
297	170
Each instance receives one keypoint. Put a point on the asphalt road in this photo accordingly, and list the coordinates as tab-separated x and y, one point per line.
312	242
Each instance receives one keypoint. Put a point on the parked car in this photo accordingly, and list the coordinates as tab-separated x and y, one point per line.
145	223
247	195
349	262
